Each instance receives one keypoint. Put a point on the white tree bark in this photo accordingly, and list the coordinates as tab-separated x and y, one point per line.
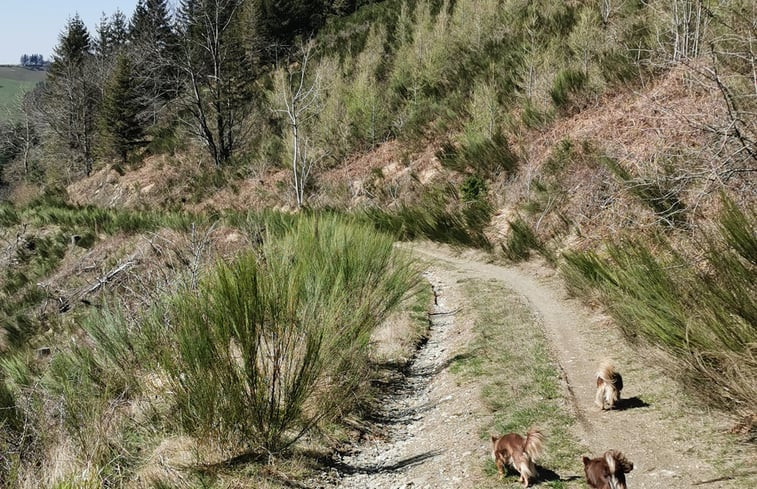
300	99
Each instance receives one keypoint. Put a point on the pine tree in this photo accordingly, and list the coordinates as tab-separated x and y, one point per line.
154	47
112	34
283	20
119	115
74	47
152	20
70	95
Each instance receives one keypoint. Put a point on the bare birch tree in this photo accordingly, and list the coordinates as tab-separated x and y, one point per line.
19	136
687	27
218	38
300	100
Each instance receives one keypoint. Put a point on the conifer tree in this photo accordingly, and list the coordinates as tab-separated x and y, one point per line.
112	34
154	47
283	20
119	115
152	20
74	46
70	95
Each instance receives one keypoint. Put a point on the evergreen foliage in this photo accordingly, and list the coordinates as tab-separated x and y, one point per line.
73	49
120	111
112	34
70	94
152	20
283	20
154	47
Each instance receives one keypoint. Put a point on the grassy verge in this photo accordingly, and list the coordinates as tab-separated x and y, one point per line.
439	216
519	383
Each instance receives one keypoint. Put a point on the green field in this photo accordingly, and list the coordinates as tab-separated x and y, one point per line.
15	80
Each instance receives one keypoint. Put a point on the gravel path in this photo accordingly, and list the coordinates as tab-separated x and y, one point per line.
422	417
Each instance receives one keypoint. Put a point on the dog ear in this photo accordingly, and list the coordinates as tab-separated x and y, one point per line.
494	438
585	460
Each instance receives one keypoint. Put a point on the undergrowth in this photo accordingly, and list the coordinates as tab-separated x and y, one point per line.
703	312
439	216
263	350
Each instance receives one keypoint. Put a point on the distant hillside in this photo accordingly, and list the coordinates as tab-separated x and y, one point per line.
15	80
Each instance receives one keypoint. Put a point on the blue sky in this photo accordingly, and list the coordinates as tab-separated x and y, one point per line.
33	26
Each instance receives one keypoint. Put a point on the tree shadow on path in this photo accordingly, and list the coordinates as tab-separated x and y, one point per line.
348	469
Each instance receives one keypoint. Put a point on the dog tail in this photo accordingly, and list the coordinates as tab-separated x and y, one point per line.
609	384
618	465
534	443
606	372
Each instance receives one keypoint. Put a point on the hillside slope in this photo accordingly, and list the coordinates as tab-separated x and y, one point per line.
177	309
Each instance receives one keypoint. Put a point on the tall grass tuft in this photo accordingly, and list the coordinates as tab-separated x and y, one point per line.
521	241
274	342
567	84
481	155
660	193
705	314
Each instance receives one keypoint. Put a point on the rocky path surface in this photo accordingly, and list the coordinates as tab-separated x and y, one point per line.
432	425
428	424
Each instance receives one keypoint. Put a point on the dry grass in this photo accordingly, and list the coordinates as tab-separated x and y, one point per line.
660	131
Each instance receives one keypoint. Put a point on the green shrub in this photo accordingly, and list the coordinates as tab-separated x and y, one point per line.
618	66
99	220
661	193
268	346
737	228
8	216
521	240
561	158
532	117
485	156
566	85
166	140
473	189
436	217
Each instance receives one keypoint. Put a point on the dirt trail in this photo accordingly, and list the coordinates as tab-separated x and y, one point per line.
431	426
427	431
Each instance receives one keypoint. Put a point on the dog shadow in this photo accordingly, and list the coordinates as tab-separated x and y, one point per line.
547	475
544	475
630	403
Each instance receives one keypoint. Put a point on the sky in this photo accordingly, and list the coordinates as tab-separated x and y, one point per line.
33	26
